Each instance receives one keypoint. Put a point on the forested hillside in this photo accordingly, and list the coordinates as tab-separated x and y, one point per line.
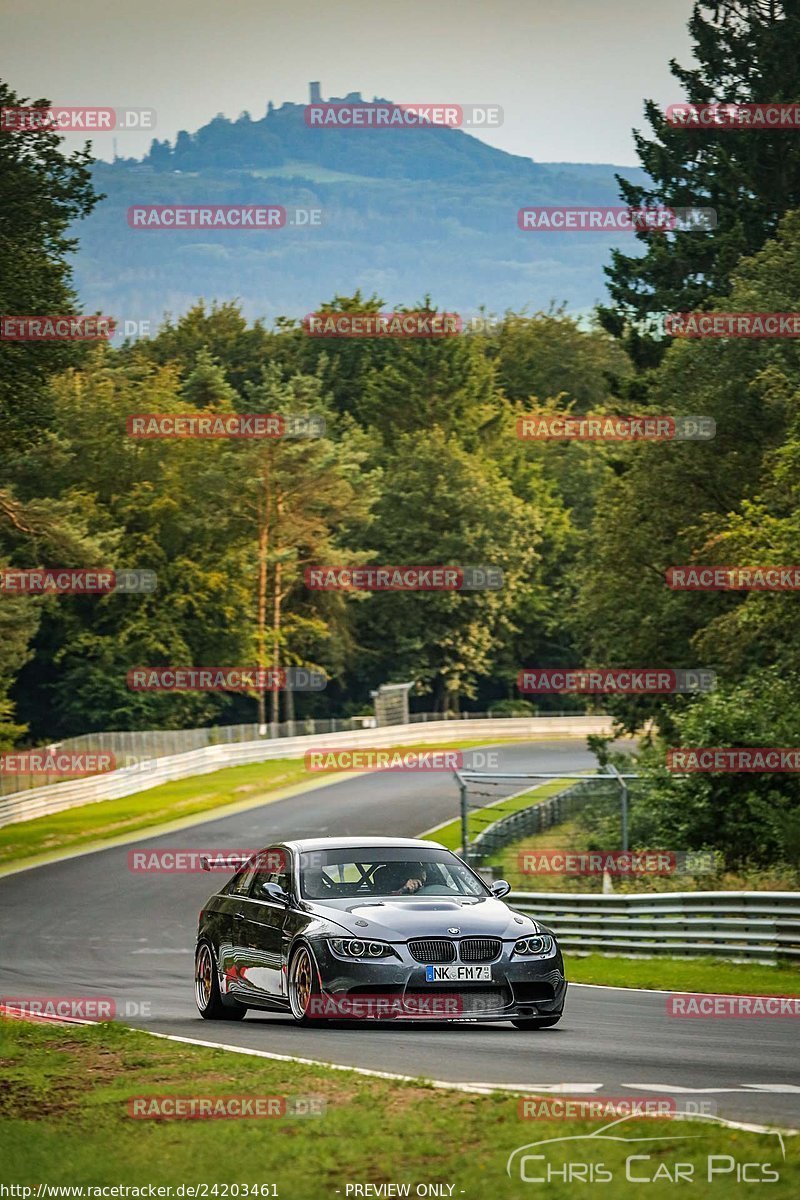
420	462
401	211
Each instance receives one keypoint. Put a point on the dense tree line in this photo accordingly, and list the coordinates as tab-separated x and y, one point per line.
420	463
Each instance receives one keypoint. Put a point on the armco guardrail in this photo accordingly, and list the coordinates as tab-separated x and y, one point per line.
131	746
37	802
759	926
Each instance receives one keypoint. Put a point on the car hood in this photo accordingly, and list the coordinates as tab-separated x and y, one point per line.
433	916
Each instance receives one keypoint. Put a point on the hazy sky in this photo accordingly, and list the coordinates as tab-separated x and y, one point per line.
570	75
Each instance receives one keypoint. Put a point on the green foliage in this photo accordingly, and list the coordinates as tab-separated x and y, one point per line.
746	51
420	462
551	352
752	819
441	504
722	501
42	192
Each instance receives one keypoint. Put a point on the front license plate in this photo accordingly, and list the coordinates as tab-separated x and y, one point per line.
458	974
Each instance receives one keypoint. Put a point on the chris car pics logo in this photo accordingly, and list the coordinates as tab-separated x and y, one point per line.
635	1153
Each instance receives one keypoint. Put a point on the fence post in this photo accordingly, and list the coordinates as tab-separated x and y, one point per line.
623	803
462	787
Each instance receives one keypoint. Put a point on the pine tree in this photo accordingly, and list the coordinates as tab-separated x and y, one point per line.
747	52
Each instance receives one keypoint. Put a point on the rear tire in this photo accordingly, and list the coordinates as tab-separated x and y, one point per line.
536	1022
206	989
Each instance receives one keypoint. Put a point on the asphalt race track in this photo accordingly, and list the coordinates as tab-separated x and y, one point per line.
89	926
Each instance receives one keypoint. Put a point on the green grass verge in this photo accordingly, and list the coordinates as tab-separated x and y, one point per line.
450	834
64	1105
104	820
685	974
564	836
572	835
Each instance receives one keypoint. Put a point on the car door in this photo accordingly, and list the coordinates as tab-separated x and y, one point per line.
226	921
259	927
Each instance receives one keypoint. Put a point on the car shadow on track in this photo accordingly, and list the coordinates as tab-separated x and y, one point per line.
352	1026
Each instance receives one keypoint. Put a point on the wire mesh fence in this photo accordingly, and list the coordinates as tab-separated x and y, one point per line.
598	796
607	836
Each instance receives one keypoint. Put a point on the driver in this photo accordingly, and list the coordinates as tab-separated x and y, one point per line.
315	883
402	879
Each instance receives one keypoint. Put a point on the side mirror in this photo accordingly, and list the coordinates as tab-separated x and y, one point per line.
500	888
274	891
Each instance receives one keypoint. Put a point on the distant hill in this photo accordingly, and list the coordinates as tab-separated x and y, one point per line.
404	212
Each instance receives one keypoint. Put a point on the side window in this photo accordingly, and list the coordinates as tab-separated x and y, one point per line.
242	883
275	866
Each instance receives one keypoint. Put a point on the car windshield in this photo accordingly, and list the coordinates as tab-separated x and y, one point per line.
385	871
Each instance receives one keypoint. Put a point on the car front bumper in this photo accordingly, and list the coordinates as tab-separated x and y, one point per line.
397	989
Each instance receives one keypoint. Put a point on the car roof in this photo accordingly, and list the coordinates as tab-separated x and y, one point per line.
357	843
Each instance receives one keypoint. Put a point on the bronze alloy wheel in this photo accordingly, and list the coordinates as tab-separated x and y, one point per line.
203	977
301	982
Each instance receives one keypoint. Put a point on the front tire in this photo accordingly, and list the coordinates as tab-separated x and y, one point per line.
304	986
206	989
536	1022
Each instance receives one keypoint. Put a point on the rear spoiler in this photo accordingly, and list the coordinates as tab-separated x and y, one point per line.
223	862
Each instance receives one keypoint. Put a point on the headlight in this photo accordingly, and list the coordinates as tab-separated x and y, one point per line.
356	948
539	944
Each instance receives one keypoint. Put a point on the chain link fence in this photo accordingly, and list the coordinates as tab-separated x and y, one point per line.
601	793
